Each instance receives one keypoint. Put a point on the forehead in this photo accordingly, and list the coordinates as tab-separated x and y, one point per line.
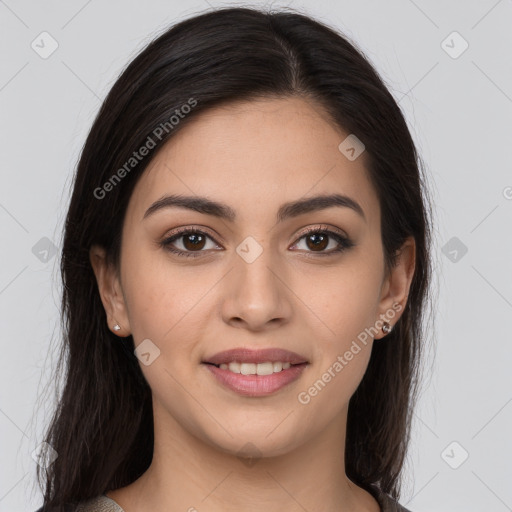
254	156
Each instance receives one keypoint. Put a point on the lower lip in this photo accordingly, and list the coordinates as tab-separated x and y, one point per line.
257	385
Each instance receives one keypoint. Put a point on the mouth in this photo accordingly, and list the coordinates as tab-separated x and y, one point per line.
266	368
256	372
241	360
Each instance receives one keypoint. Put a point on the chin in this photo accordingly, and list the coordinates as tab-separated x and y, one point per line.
255	443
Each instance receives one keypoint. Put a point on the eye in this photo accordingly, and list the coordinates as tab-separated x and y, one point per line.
316	240
191	241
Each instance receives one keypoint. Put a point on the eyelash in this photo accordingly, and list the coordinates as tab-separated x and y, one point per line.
343	241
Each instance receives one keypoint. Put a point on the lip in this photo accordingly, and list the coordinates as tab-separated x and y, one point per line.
256	385
245	355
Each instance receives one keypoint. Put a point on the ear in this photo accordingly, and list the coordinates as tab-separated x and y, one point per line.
110	291
396	285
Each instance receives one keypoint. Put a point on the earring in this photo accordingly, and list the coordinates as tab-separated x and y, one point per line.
117	327
386	328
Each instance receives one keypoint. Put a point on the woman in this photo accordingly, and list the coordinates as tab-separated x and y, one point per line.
246	268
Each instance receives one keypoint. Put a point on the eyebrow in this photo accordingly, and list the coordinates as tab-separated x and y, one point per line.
223	211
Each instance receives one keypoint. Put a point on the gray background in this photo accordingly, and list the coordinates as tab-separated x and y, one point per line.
459	111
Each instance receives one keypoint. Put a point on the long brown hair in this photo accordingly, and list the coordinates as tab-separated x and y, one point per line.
102	428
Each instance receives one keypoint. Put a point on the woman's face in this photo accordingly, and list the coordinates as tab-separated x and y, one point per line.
252	279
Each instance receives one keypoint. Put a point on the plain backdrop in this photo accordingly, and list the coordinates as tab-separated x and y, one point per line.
449	66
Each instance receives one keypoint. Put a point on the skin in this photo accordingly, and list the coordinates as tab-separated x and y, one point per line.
253	156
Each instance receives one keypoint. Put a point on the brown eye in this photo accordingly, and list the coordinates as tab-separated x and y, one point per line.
189	243
317	240
193	241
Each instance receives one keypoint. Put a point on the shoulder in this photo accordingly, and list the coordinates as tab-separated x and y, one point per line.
386	502
389	504
67	508
98	504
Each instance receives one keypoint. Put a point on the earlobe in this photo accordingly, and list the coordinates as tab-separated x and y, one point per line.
396	286
110	291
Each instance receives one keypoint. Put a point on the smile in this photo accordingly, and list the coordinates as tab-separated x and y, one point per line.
255	379
255	368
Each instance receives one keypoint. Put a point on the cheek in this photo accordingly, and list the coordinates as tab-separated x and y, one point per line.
160	297
342	346
345	302
347	306
165	307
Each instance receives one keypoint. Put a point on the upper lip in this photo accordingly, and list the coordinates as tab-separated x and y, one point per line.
246	355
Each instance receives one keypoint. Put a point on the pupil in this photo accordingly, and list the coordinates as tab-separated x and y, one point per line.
321	244
195	243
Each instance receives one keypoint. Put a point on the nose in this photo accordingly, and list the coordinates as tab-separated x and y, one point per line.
256	296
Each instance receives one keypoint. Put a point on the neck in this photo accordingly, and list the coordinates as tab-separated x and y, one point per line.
188	473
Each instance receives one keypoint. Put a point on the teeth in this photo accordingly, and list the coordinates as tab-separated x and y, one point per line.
248	368
255	369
